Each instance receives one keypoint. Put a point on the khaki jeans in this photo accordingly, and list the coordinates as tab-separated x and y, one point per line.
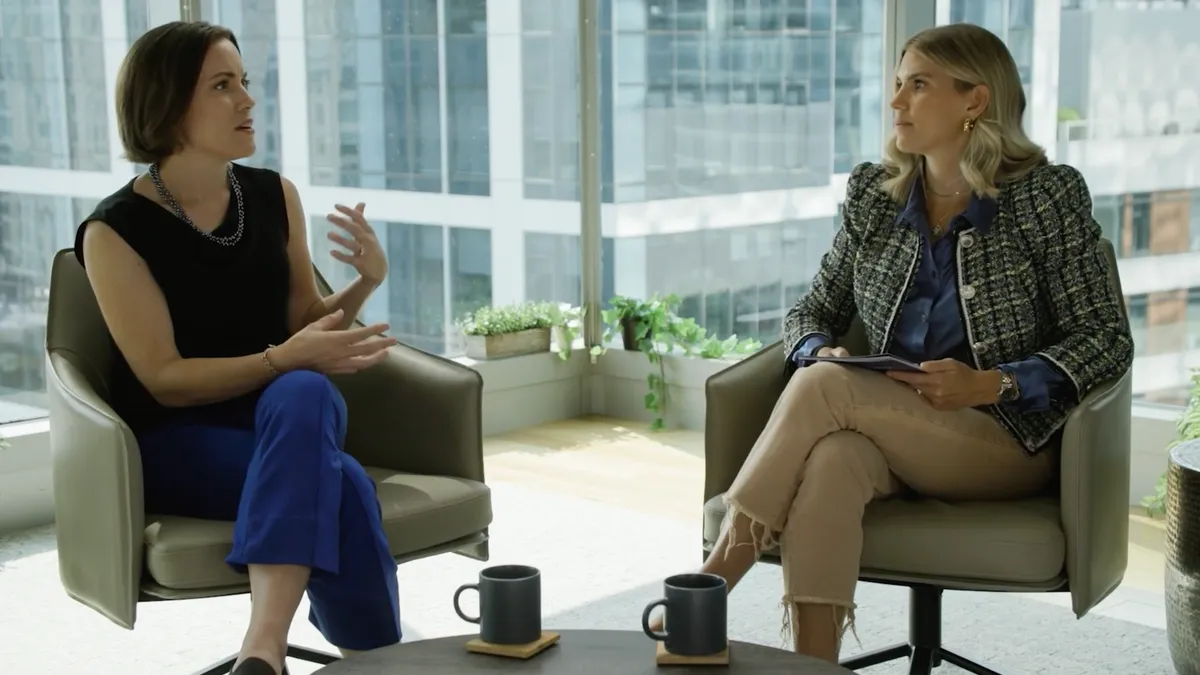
840	437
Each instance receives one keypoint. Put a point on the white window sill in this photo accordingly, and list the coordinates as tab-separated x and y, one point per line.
537	389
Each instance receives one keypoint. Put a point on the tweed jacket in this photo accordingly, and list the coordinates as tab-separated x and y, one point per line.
1034	284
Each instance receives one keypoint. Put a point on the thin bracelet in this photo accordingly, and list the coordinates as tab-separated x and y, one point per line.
267	361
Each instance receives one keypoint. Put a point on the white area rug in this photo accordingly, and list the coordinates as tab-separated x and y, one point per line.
600	565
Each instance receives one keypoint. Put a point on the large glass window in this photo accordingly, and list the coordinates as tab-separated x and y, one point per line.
859	98
734	123
398	95
727	128
1138	307
53	102
468	151
1133	129
399	104
254	24
550	99
436	274
32	228
471	270
55	119
552	267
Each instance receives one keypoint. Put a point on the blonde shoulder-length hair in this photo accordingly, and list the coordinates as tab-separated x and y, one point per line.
998	150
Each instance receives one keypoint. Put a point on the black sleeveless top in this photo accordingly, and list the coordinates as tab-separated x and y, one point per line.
224	301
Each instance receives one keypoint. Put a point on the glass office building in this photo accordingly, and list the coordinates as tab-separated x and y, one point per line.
727	131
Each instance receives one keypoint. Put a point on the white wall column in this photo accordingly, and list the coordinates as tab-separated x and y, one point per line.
507	154
293	95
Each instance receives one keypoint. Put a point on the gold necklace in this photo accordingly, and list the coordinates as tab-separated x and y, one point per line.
938	225
935	193
928	190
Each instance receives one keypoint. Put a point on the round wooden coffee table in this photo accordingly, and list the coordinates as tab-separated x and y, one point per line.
578	652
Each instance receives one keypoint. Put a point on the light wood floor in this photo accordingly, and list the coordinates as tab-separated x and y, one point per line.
616	462
625	464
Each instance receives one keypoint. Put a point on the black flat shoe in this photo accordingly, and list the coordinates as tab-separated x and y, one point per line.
255	666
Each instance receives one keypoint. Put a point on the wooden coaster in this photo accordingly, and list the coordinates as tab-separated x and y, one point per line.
665	658
524	651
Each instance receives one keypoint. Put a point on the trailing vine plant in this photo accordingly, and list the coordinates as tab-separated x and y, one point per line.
1187	429
567	323
653	328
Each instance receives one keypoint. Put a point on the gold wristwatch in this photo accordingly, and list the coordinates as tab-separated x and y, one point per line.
1009	391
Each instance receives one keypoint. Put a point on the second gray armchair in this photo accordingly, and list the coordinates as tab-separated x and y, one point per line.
1073	539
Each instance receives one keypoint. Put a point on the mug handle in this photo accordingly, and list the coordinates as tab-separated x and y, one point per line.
457	595
646	620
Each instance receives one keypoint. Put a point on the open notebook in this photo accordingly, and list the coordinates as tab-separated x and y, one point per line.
874	362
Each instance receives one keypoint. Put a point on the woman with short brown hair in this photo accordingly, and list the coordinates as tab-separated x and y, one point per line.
202	271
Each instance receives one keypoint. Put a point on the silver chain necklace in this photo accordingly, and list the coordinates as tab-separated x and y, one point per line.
170	200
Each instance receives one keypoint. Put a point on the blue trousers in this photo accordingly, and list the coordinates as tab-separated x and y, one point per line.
295	499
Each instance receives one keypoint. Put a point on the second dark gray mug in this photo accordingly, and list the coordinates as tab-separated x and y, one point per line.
510	604
695	613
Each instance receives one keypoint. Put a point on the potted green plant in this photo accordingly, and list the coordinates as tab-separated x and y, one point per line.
635	320
1186	429
508	330
653	328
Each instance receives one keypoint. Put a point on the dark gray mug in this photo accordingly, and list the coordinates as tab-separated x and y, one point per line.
510	604
695	615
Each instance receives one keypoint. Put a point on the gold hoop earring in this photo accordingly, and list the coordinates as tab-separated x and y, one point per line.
968	124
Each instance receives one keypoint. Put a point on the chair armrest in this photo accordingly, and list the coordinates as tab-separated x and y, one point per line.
1094	491
416	413
738	403
98	501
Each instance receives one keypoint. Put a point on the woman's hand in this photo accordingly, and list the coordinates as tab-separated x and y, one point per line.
952	385
833	351
322	347
364	252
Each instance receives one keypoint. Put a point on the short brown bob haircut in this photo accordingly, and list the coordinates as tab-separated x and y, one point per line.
156	83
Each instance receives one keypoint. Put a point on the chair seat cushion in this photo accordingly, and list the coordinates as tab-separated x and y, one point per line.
1014	542
419	512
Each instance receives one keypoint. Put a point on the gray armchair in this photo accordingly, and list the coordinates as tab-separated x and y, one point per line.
1072	540
415	424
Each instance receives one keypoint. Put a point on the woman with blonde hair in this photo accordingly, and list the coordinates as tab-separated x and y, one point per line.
967	253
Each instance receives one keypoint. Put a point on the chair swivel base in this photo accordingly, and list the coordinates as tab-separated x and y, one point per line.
225	665
922	660
924	650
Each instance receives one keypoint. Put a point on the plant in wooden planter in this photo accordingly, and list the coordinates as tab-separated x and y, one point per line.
1187	429
508	330
653	328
